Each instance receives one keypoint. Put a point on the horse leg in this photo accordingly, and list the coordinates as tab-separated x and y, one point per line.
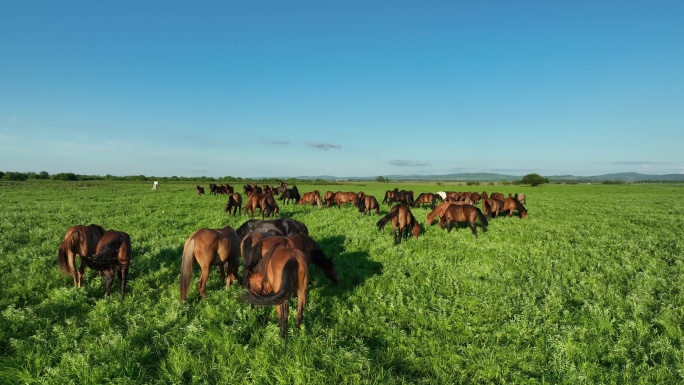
72	269
109	279
123	278
203	280
222	272
472	227
231	272
301	301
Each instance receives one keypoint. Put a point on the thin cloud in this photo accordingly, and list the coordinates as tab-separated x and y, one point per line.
276	142
407	163
323	146
639	163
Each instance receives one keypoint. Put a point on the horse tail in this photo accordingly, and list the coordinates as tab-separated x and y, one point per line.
107	258
487	207
288	286
249	252
62	254
186	267
482	218
383	221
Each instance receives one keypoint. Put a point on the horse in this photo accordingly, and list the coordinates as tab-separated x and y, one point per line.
282	272
497	195
439	210
329	198
427	198
367	204
255	245
209	247
200	190
280	226
290	194
512	204
463	213
389	194
520	197
113	255
234	204
343	197
403	196
401	218
79	240
253	203
312	198
491	207
268	206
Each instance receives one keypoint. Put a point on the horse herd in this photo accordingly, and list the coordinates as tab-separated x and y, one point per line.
275	254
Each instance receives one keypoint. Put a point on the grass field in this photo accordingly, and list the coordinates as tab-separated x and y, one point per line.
587	289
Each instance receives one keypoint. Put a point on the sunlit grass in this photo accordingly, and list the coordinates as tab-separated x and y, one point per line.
586	289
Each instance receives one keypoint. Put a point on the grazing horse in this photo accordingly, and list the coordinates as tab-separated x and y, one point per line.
427	199
497	195
79	240
209	247
520	197
389	194
312	198
200	190
329	198
282	272
368	203
268	206
439	210
253	203
401	218
280	226
403	196
256	245
343	197
234	204
491	207
512	204
290	194
113	255
463	213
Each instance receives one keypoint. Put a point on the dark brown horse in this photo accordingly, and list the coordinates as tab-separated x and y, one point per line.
253	203
463	213
402	219
79	240
268	205
389	194
427	199
209	247
255	245
282	272
234	204
200	190
368	203
113	256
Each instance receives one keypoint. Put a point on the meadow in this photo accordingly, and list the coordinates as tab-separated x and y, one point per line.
586	290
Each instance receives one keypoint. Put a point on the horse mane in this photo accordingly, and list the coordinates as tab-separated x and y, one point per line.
518	206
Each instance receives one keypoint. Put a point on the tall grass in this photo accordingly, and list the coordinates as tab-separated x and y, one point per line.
586	289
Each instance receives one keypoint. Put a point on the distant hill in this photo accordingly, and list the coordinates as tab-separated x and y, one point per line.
494	177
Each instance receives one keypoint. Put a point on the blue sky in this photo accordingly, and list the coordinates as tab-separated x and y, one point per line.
343	88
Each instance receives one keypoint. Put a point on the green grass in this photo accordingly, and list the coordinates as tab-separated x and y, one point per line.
587	289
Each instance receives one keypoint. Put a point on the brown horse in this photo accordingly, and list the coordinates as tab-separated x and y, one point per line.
368	203
312	198
463	213
79	240
343	197
255	245
389	194
268	205
491	207
113	255
329	197
234	204
512	204
209	247
253	203
282	272
427	199
401	218
439	210
200	190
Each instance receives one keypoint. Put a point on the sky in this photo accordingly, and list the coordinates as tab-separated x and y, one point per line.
342	88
